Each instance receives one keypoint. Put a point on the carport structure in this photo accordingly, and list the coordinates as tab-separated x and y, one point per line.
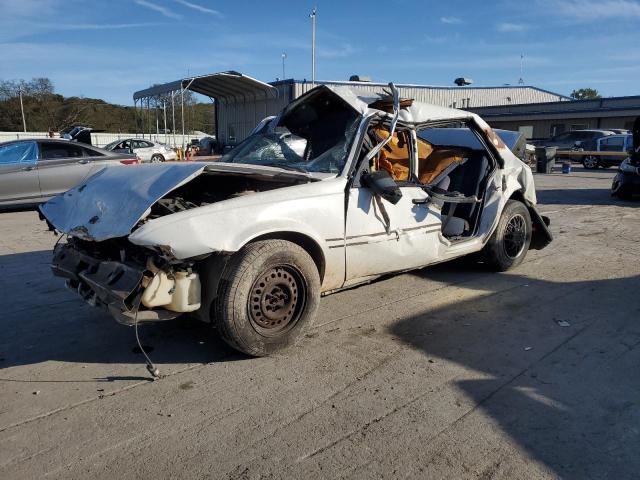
221	88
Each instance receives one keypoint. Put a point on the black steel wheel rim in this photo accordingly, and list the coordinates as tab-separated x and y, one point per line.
515	236
277	300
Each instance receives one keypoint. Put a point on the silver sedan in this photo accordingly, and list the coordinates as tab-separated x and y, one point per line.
33	171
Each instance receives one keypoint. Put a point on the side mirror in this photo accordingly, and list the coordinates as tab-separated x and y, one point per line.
382	184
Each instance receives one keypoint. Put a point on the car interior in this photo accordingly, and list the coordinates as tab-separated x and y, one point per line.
453	168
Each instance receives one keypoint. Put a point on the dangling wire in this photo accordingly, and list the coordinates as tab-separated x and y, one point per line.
153	370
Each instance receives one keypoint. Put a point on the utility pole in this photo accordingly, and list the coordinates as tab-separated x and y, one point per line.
284	55
521	81
24	122
313	46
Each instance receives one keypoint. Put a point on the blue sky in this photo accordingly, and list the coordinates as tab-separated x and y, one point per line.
110	48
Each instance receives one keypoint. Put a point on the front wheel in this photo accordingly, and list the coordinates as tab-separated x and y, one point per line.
157	159
590	162
268	295
509	243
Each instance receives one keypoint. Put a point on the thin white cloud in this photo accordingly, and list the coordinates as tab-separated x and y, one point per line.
451	20
511	27
98	26
159	8
199	8
340	51
587	10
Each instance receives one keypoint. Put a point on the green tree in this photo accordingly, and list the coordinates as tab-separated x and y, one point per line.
585	94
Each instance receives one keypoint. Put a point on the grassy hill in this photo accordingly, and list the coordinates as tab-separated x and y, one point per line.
46	110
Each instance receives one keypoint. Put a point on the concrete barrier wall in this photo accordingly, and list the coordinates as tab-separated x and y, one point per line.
104	138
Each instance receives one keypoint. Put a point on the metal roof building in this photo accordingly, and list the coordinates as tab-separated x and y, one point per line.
540	120
241	101
236	118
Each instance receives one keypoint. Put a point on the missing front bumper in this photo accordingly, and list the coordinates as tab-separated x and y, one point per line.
116	286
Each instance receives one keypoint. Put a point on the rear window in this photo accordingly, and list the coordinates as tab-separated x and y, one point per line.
54	151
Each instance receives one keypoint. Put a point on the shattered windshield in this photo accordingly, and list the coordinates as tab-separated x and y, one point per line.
313	135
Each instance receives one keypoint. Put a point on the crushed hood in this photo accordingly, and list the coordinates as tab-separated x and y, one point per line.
113	201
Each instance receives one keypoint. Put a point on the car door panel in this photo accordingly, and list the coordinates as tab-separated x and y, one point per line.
61	167
19	174
410	239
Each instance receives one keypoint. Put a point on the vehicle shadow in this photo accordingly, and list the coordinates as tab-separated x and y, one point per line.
44	321
568	402
581	196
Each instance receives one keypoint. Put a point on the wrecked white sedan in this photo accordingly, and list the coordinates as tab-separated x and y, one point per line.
333	192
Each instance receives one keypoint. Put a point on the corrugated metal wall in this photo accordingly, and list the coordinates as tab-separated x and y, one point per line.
237	119
455	97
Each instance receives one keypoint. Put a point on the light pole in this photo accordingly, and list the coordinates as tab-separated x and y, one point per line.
284	55
313	46
24	122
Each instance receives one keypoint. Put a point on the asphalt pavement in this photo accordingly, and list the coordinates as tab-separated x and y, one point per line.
446	372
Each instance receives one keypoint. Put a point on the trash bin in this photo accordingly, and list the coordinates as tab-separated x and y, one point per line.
545	159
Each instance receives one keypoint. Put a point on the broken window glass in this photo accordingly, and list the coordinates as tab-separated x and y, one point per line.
314	135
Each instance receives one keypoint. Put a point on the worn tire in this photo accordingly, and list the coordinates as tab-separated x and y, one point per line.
500	253
264	282
157	158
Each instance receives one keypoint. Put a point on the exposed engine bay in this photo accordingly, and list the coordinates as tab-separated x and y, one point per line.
211	188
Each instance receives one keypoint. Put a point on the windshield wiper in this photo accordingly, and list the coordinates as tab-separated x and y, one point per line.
284	166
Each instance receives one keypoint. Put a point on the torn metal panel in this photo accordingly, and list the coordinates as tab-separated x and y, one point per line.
111	202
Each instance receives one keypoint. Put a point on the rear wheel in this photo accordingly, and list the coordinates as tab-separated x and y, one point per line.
157	158
590	162
509	243
268	296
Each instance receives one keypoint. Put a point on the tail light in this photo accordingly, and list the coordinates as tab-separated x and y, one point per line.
133	161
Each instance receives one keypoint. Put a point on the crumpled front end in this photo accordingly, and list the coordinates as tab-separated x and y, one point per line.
126	282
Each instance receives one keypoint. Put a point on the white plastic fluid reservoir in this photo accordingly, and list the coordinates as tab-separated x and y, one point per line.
158	290
179	292
186	297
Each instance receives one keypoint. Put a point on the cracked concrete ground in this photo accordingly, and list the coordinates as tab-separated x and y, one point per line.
446	372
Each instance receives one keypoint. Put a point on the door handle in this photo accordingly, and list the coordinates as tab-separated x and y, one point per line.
83	162
28	169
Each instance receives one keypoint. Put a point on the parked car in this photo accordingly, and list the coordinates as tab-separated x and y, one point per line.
207	146
585	139
32	171
145	150
612	143
252	242
626	183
